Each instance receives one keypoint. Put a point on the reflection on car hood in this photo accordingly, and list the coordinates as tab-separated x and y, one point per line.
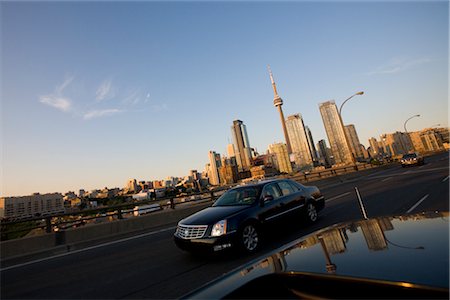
411	249
211	215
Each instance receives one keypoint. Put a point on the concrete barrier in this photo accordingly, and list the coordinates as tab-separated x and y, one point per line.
70	237
27	245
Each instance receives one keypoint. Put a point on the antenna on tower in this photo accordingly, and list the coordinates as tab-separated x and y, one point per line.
273	82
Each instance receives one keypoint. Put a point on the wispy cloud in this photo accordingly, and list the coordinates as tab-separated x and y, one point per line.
57	102
56	99
105	91
398	65
92	114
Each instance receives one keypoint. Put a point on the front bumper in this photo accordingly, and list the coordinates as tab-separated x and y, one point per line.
410	162
207	244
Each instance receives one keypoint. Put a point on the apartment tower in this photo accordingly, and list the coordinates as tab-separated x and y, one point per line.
299	141
335	133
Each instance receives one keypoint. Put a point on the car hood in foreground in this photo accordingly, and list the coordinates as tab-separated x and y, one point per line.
213	214
403	250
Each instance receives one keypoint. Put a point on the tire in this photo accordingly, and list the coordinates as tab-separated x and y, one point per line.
311	213
250	238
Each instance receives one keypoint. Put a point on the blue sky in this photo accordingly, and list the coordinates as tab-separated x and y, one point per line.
96	93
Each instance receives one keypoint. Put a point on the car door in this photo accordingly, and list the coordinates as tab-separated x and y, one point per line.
293	198
270	207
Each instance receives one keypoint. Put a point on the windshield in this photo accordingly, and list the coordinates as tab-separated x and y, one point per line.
412	155
238	196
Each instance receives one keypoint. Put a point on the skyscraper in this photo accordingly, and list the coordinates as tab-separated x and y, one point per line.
353	140
324	155
277	102
335	133
299	141
242	148
214	164
312	147
283	163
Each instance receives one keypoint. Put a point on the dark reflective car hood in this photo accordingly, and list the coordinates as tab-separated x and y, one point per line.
211	215
407	249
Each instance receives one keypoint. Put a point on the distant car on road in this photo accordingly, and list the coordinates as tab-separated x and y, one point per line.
412	159
239	216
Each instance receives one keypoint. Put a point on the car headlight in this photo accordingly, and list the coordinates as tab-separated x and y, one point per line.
220	228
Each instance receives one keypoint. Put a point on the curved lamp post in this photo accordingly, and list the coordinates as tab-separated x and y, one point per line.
404	125
406	131
357	94
343	127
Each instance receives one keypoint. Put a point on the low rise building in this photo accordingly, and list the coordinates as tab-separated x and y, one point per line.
35	205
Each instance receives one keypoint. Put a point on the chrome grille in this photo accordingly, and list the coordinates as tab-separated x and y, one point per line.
189	232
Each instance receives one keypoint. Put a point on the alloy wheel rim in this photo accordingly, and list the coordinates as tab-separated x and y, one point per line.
250	238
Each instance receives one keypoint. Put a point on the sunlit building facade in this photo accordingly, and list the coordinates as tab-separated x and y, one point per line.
214	164
335	133
299	141
353	140
35	205
396	144
282	162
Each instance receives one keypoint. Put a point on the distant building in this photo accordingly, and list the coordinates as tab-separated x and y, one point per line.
299	141
427	140
35	205
242	149
214	164
283	163
396	144
228	171
324	152
132	186
335	133
230	150
353	140
375	149
311	145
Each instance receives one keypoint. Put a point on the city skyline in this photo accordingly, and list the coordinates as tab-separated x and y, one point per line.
89	102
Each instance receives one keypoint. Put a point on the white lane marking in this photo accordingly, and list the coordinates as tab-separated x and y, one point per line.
88	248
417	204
445	179
386	179
337	197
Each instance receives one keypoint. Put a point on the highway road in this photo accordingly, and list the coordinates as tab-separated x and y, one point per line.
150	265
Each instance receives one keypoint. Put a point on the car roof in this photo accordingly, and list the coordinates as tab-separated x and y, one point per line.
261	183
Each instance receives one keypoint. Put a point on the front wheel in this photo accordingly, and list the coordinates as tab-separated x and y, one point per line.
311	213
250	238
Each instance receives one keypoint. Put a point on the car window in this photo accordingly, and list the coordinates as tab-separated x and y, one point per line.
240	196
286	188
272	190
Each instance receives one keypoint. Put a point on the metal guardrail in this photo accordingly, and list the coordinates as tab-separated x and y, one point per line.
75	219
312	176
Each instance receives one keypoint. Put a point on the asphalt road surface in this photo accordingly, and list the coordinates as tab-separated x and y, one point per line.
151	266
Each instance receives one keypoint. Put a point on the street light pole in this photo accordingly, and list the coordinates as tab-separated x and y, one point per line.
406	131
404	125
343	127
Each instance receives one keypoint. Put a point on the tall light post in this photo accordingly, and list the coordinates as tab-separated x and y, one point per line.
406	131
343	127
404	125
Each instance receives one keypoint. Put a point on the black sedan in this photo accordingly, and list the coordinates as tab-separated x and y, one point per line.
237	218
402	257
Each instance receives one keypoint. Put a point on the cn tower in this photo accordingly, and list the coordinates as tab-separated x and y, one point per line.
277	102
